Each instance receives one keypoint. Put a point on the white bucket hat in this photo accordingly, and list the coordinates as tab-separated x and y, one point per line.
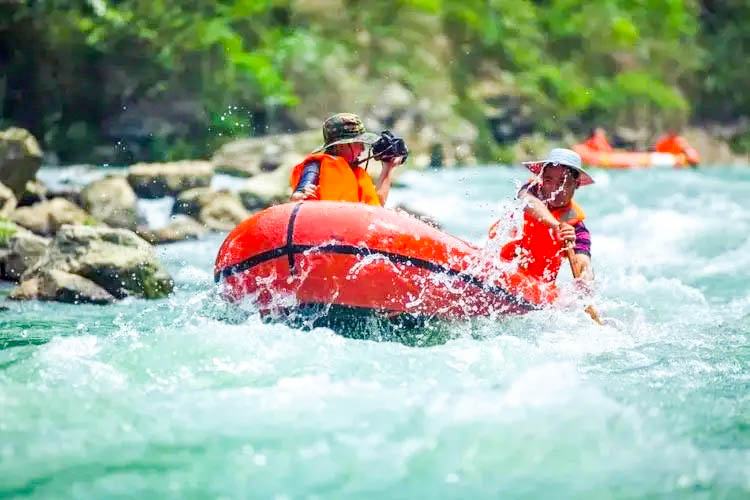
564	157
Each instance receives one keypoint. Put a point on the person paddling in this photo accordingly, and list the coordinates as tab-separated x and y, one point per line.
675	144
553	226
332	172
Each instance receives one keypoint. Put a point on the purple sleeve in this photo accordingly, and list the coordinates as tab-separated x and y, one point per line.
583	239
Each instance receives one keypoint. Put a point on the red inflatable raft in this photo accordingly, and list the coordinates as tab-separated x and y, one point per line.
628	159
358	257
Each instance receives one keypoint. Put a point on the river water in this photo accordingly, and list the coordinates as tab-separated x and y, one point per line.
163	399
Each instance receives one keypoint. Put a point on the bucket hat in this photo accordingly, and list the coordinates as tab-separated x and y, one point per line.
564	157
345	128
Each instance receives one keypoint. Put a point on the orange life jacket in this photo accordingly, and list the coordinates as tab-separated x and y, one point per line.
338	180
677	145
598	142
540	251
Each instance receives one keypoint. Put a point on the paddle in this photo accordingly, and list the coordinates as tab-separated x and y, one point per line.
576	270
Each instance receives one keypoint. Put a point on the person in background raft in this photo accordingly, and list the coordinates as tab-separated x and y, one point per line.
598	141
677	145
334	174
552	221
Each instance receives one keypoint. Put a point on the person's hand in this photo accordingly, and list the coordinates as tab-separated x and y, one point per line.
566	233
308	192
393	162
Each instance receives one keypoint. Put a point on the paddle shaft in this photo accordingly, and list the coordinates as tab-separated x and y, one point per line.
576	270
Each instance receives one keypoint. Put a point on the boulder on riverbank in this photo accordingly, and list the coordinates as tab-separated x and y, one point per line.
8	201
117	260
8	230
35	191
59	286
218	210
46	217
156	180
20	158
23	250
267	189
112	200
256	155
180	228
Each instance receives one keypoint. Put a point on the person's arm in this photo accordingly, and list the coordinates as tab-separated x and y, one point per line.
307	187
537	209
583	262
691	155
582	255
383	186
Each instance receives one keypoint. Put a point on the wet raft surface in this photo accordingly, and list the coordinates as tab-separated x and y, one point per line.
165	400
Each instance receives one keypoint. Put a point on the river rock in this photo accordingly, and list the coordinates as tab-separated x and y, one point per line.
20	158
191	202
219	210
267	189
256	155
24	250
52	284
223	213
117	260
112	200
7	230
180	228
35	191
156	180
46	217
7	201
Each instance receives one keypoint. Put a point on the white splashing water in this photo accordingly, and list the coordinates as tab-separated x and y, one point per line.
162	399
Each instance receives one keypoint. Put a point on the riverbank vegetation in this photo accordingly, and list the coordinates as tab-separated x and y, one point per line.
121	81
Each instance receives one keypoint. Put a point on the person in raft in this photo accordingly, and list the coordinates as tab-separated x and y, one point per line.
598	141
332	172
675	144
552	221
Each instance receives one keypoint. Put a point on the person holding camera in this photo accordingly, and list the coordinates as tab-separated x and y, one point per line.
332	172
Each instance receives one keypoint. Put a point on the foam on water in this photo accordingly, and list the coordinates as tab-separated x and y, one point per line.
163	399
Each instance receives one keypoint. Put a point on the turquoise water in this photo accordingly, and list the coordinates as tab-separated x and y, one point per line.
163	400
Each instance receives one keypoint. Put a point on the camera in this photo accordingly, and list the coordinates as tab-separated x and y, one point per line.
389	146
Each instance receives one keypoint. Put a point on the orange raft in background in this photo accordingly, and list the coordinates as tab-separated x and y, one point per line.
355	257
628	159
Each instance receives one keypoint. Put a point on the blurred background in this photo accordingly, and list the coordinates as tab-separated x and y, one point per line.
102	81
178	119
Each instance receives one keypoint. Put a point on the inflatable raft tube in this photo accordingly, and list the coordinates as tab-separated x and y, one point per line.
627	159
336	256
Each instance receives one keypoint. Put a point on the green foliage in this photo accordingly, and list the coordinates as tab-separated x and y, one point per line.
570	58
90	220
152	281
721	92
7	229
168	66
162	79
741	143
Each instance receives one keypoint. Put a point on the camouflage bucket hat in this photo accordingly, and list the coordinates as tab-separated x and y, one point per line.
345	128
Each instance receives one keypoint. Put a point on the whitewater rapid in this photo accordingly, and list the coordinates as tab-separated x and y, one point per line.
165	399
